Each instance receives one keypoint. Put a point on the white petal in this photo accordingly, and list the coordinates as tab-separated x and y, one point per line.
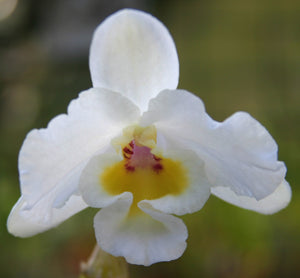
51	159
195	195
133	53
145	239
238	153
23	223
276	201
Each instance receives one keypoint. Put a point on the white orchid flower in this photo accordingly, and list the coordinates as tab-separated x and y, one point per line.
142	150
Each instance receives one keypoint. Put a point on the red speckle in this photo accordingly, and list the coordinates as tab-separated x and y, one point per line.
157	167
131	144
127	150
129	168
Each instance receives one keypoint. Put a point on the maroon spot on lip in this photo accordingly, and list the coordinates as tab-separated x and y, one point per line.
127	150
131	144
157	167
129	168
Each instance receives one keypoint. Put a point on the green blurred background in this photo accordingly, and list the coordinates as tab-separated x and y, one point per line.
236	55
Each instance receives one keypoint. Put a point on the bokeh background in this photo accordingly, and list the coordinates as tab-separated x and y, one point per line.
236	55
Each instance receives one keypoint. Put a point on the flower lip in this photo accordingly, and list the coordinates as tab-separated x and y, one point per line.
144	174
177	185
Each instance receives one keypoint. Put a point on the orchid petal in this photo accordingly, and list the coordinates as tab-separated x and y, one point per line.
147	238
238	153
51	160
133	53
274	202
23	222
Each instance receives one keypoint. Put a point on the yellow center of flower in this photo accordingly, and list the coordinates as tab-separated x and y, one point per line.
144	174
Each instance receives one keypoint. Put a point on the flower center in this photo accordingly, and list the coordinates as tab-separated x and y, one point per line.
140	157
144	174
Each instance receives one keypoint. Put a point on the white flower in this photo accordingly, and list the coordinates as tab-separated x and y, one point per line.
142	150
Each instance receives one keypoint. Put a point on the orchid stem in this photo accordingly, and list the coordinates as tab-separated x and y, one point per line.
103	265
